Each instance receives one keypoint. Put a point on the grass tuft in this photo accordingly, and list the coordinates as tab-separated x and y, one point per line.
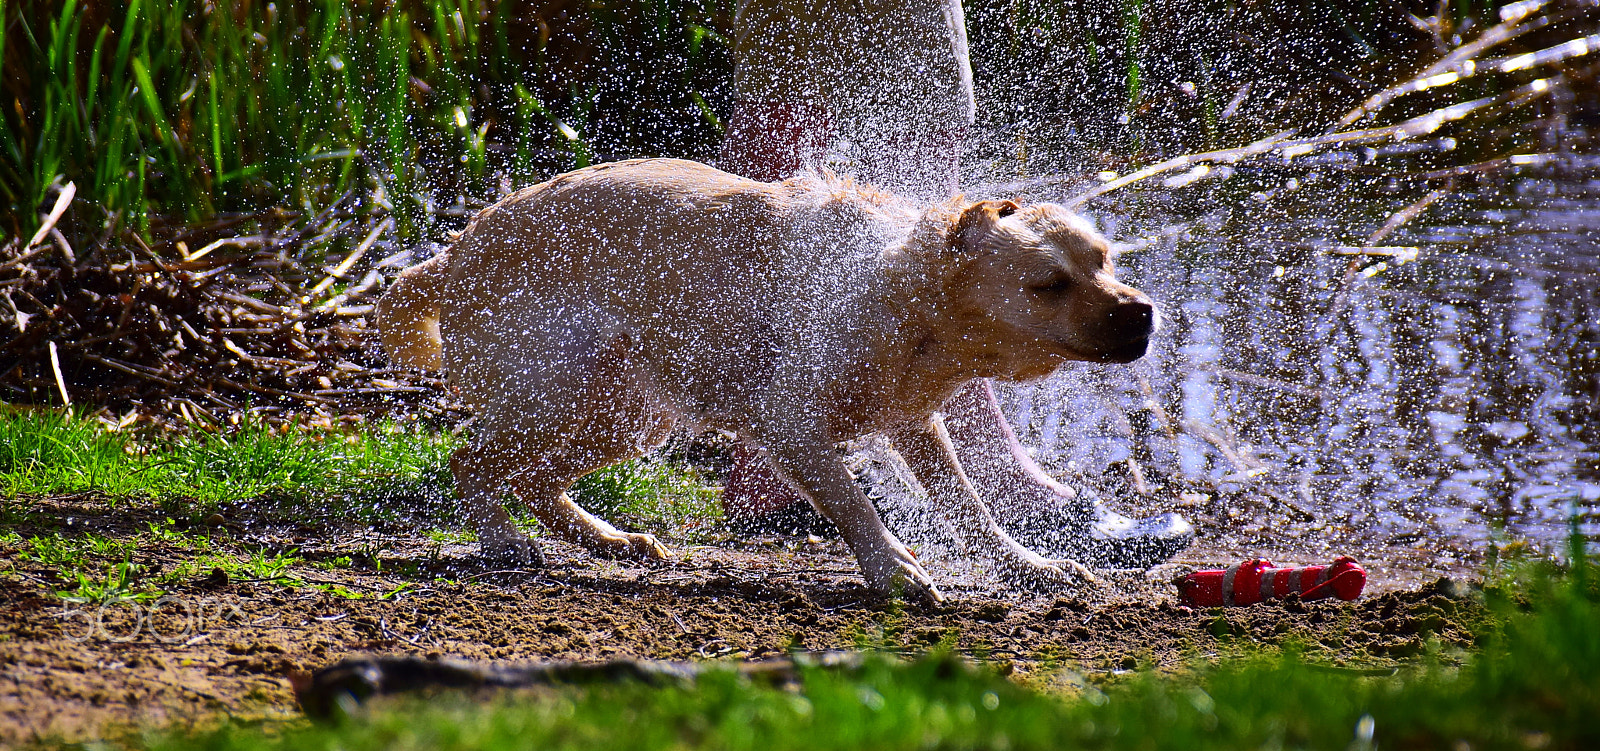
651	489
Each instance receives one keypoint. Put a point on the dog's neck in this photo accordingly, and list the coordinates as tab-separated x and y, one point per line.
960	342
917	337
937	323
917	348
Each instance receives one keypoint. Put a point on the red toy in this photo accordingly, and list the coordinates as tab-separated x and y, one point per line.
1256	580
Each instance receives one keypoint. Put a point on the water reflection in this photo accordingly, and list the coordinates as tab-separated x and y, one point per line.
1300	391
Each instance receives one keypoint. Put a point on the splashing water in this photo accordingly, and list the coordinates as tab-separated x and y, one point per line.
1308	394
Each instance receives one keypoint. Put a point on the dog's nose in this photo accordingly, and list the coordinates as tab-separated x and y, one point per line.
1133	320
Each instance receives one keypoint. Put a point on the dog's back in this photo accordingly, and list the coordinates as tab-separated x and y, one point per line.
707	280
631	238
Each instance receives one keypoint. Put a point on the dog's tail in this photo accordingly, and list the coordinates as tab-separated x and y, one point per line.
408	315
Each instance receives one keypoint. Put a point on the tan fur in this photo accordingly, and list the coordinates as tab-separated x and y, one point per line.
408	315
586	316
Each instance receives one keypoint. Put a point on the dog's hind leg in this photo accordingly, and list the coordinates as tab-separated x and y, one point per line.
538	467
623	430
480	470
595	413
570	522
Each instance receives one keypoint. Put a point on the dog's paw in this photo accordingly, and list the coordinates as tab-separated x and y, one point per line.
897	574
918	592
630	546
1081	577
911	584
1033	572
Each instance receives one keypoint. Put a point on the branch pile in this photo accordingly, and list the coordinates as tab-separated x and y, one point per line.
204	324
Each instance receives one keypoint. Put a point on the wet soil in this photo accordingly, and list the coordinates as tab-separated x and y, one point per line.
218	646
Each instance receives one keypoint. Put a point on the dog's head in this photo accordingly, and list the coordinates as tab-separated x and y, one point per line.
1038	280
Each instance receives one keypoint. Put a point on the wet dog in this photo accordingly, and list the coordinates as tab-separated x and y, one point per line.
585	317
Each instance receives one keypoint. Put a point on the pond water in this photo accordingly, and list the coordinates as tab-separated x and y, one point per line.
1431	393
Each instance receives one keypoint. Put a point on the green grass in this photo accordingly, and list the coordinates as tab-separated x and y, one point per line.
55	550
291	471
651	489
378	474
50	452
99	569
95	568
1530	684
258	565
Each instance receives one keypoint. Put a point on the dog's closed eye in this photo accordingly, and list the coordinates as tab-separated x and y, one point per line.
1054	286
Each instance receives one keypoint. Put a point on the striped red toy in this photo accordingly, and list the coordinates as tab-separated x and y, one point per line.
1256	580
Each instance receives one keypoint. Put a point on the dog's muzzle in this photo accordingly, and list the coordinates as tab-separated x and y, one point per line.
1128	329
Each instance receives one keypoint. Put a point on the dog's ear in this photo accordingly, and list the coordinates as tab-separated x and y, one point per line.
949	232
968	232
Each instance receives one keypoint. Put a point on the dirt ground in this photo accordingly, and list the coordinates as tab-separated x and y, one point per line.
213	647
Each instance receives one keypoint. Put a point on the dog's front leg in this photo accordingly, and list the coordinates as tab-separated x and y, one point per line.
928	452
885	561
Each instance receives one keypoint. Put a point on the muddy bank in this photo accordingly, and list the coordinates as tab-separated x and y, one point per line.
216	645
